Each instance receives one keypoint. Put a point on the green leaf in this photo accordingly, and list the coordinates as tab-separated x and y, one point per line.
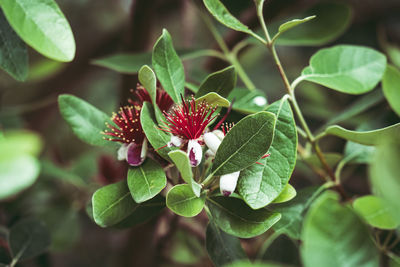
332	19
293	212
384	173
13	52
20	142
286	195
329	225
369	138
156	137
17	173
222	14
221	82
293	23
168	67
127	63
112	203
281	249
86	121
346	68
260	184
146	180
391	87
181	162
143	212
214	99
246	101
42	25
182	201
221	247
245	143
375	212
357	153
331	158
234	217
28	238
149	81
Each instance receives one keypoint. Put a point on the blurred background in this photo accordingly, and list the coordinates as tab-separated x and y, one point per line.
71	170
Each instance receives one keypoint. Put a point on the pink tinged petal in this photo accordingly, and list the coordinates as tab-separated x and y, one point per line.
135	155
195	152
227	183
212	141
175	141
122	152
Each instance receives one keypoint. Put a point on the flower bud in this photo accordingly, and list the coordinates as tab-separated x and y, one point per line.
136	154
194	152
227	183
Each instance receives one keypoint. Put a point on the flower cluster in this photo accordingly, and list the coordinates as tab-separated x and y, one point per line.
187	123
127	129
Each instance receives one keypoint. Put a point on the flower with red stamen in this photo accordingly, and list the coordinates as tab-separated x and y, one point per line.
187	123
128	131
163	100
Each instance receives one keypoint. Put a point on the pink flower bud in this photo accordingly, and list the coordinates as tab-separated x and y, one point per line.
227	183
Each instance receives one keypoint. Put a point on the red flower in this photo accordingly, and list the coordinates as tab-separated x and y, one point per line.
163	100
129	132
189	120
187	123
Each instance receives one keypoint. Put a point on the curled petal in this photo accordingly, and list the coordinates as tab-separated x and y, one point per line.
136	154
212	141
194	152
175	141
122	151
227	183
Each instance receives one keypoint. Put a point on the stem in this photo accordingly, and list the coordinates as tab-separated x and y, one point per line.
271	47
228	54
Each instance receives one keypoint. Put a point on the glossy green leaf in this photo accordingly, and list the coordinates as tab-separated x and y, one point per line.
246	101
375	212
143	212
182	162
222	14
28	238
13	52
156	137
221	247
168	67
286	195
393	52
17	173
86	121
234	217
182	201
42	25
293	23
221	82
384	173
214	99
245	143
357	153
293	212
369	138
391	87
20	142
330	224
112	203
332	19
127	63
146	180
149	81
346	68
260	184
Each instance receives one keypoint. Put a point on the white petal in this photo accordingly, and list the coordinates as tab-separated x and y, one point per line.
143	153
175	141
122	152
209	153
227	183
212	141
194	152
220	134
